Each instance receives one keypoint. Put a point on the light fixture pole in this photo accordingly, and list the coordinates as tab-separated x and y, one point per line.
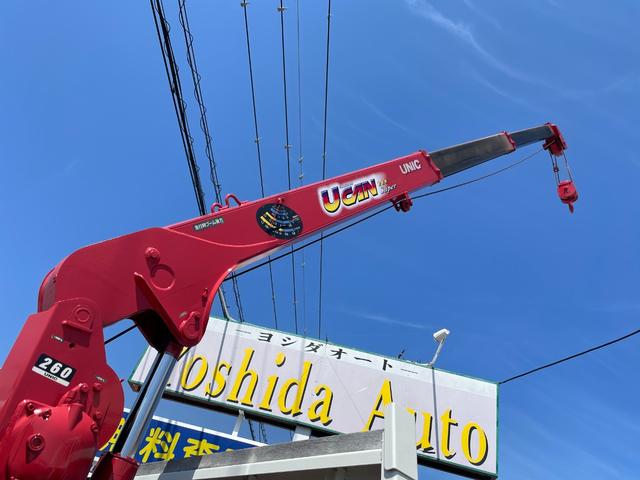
440	336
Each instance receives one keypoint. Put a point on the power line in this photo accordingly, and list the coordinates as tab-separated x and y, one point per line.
175	86
300	162
263	433
324	155
171	68
244	5
253	95
571	357
118	335
204	126
251	431
197	92
299	68
287	147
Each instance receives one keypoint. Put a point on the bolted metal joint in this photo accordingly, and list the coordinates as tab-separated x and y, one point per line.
35	442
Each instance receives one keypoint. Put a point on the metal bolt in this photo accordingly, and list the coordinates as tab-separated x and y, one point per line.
152	254
84	388
97	416
94	428
30	407
188	327
97	386
35	442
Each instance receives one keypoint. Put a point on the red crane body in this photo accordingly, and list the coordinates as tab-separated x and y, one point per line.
60	401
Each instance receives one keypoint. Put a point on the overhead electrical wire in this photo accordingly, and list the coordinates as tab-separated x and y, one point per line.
570	357
204	126
287	147
300	164
171	68
251	430
197	92
173	76
195	75
119	334
324	156
244	5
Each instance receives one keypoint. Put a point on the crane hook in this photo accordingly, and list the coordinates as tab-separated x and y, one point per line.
567	193
566	188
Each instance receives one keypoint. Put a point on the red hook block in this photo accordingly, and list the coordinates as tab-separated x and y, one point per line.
568	193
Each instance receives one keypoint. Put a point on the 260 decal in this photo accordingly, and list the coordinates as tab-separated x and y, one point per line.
50	368
333	198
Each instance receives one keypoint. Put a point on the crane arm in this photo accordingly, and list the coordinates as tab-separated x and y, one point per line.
59	400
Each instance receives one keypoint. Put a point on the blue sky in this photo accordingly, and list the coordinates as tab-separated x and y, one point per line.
90	150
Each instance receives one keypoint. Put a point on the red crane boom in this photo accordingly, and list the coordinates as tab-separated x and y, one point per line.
60	401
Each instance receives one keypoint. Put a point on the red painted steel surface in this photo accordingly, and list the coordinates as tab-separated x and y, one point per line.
568	193
555	144
60	401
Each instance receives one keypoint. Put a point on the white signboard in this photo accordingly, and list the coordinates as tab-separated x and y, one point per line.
302	381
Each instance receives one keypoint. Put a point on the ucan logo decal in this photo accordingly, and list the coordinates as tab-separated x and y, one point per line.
333	198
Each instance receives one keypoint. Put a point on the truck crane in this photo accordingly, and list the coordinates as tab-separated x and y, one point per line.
60	401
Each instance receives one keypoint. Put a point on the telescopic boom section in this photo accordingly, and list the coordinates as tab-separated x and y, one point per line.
60	401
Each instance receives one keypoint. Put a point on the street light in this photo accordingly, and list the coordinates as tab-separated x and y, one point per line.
440	336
